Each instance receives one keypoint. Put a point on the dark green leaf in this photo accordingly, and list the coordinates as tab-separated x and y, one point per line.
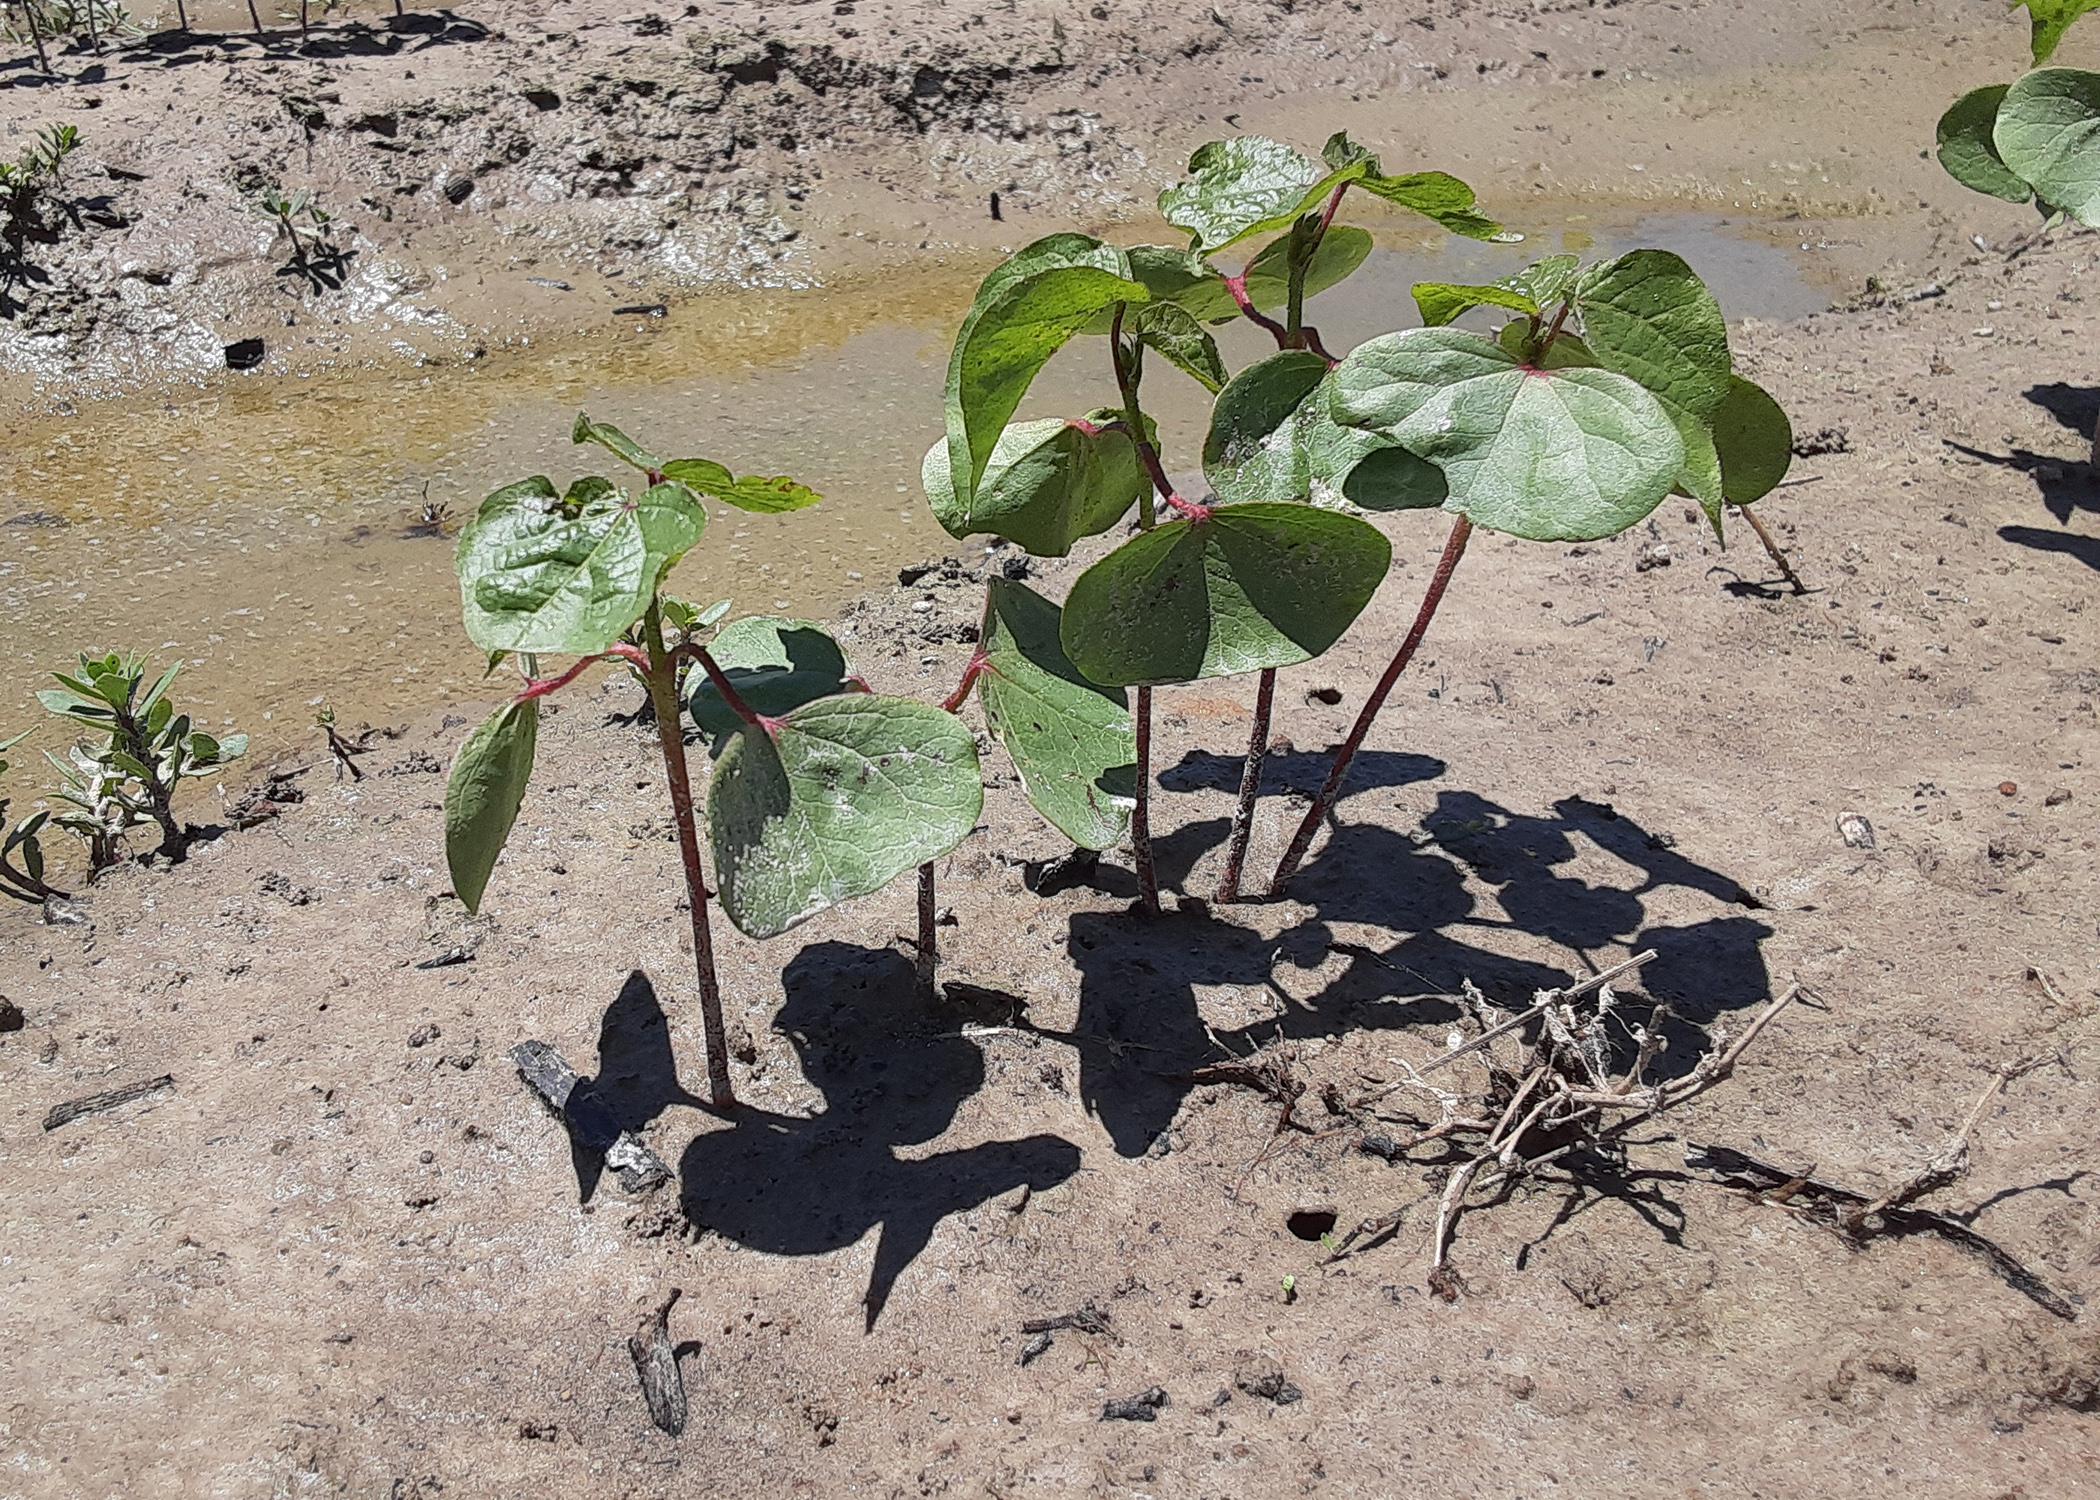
1969	151
1649	317
1048	484
1176	334
1755	442
482	799
1252	586
1071	741
1341	250
1024	312
844	795
774	665
1273	437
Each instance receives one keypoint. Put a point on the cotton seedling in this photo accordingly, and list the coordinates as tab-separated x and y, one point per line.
821	791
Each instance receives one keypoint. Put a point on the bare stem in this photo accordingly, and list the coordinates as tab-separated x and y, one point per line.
1250	787
929	951
1454	549
1141	814
662	680
1786	568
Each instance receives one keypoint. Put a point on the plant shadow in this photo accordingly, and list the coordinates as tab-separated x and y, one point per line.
1141	1030
892	1076
637	1078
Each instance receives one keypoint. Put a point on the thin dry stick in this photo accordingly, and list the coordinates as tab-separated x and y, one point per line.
36	34
1250	787
1952	1161
1772	546
1454	549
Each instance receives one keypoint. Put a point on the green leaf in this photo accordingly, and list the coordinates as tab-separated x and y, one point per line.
158	691
72	706
1442	302
1268	285
2049	20
1047	484
1273	437
1440	197
2048	132
613	441
1176	334
1071	741
762	497
1545	281
1251	586
775	666
538	573
1969	152
843	796
1024	312
1239	187
1755	442
482	799
1649	317
1552	455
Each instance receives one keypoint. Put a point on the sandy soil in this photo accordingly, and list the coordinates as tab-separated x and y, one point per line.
346	1252
503	175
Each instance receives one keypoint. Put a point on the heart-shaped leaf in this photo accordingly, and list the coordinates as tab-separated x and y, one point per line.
1552	455
2049	20
483	796
1248	587
1755	442
1047	484
1268	286
1071	741
1024	312
1969	152
774	665
1440	197
834	801
1273	437
2048	133
760	496
1239	187
541	572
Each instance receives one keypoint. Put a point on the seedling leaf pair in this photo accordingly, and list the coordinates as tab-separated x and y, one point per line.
1045	484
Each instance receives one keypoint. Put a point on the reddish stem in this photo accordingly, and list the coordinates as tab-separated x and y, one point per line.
730	695
1237	285
1141	815
1454	549
662	678
1188	510
979	664
1250	787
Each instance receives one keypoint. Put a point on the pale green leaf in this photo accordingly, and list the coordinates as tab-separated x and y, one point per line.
1552	455
2048	132
1070	740
1239	187
1273	437
482	799
761	496
1251	586
1442	302
839	798
542	573
2049	20
613	441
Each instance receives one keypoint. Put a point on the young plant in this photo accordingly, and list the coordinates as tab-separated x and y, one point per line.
91	19
310	231
26	181
822	791
1610	389
2036	139
145	750
24	881
1252	579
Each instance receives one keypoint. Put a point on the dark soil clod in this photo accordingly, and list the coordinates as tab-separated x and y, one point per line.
1145	1406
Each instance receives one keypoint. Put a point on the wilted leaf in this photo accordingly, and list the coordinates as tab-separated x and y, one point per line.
538	572
1070	740
1552	455
482	799
1182	341
760	496
843	796
1252	586
613	441
774	665
1047	484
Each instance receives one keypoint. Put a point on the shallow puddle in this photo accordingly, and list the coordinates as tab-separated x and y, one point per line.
260	531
